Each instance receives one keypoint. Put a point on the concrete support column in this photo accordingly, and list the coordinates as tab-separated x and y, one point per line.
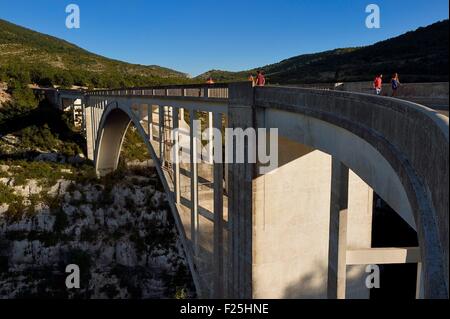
176	157
181	116
155	110
161	132
210	136
240	197
150	122
97	117
359	233
94	132
89	131
338	231
72	109
96	111
194	181
83	115
218	211
99	113
419	282
226	165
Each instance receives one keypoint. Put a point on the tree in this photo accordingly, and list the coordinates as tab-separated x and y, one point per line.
23	97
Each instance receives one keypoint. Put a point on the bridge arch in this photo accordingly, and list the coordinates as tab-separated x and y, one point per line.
112	129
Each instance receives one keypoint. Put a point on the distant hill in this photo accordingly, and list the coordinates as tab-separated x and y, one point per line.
418	56
48	60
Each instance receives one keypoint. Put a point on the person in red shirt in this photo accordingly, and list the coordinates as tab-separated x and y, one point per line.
260	79
378	83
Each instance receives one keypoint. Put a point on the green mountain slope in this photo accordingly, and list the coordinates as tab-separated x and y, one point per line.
420	55
48	60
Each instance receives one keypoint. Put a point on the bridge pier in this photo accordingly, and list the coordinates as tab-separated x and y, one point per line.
338	231
218	169
278	230
89	131
176	155
194	133
240	205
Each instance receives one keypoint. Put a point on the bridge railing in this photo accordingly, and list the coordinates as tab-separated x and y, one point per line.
210	91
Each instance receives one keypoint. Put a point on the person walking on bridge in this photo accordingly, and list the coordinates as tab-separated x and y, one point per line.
260	79
395	83
378	83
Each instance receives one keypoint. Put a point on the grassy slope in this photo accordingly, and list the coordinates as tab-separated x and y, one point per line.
420	55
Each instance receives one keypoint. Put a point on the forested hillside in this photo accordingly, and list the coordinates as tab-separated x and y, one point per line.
30	56
419	56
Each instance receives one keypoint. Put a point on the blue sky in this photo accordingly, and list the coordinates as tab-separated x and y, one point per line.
194	36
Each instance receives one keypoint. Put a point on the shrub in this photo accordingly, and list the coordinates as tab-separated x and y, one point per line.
61	221
7	195
181	293
46	173
15	210
88	235
22	96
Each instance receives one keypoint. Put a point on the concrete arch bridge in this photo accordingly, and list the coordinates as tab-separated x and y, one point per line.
304	229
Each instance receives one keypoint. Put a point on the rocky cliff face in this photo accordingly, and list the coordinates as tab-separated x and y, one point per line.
118	230
4	97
